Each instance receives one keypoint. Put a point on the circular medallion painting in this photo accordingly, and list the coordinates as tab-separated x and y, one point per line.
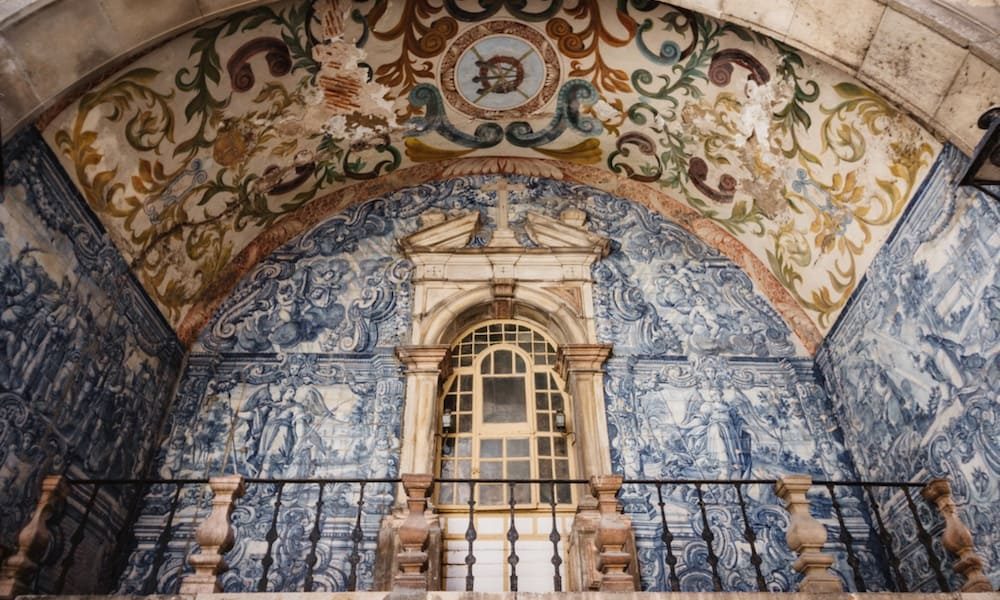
499	69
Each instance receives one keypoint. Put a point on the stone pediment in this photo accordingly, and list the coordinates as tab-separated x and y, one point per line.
446	235
566	234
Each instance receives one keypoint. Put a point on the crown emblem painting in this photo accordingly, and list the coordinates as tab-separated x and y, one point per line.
500	69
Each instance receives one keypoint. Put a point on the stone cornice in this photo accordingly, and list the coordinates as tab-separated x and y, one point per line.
423	359
582	358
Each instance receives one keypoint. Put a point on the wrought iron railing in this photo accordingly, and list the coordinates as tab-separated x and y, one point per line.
165	536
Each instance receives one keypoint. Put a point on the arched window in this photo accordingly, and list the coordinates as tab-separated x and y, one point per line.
502	416
504	410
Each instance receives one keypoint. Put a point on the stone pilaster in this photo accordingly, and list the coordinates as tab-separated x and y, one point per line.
957	538
215	537
582	367
20	568
413	536
424	367
806	537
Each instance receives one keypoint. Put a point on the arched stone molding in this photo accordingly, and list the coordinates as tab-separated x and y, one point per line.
548	285
879	42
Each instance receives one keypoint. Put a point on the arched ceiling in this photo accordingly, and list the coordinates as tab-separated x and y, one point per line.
209	151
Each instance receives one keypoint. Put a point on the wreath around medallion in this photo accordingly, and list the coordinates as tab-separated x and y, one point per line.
499	70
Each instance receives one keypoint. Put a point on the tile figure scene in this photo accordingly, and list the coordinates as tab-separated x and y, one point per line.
218	259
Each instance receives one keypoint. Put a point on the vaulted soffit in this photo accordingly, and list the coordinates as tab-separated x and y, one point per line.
208	152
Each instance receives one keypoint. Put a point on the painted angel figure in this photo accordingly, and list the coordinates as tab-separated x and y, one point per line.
280	431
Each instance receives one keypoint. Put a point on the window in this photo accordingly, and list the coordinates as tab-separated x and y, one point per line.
502	399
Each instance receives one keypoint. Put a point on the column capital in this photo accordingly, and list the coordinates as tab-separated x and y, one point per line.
422	359
586	358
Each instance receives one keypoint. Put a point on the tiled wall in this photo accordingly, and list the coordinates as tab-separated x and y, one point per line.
295	377
913	366
87	364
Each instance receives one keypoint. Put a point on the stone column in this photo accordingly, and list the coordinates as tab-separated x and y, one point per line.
806	536
19	569
957	538
215	536
413	536
613	535
582	367
424	366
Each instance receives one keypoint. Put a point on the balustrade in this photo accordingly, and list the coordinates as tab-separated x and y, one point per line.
330	528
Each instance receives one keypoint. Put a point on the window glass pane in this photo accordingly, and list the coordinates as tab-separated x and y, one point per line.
563	495
491	493
519	469
485	368
491	470
447	469
543	423
490	449
465	383
557	402
463	493
503	400
449	402
522	493
544	446
502	362
448	446
518	447
545	469
465	403
562	469
542	401
541	381
464	446
464	469
447	497
465	423
519	365
545	493
560	444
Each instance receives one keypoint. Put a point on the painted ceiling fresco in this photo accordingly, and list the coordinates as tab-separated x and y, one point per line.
215	148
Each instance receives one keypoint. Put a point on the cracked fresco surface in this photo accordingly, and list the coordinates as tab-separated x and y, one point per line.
232	135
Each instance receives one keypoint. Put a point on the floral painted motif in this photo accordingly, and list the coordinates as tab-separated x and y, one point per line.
236	129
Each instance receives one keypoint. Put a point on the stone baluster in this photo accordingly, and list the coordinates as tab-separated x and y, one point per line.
19	569
806	536
957	538
413	536
613	533
215	536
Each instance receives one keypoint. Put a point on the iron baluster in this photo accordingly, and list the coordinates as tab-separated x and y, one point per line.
313	540
706	534
554	537
847	540
512	537
751	537
272	535
925	539
668	539
149	586
886	540
75	539
356	536
470	536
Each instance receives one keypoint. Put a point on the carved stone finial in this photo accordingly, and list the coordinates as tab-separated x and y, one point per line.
613	533
215	536
413	535
957	538
806	536
19	569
